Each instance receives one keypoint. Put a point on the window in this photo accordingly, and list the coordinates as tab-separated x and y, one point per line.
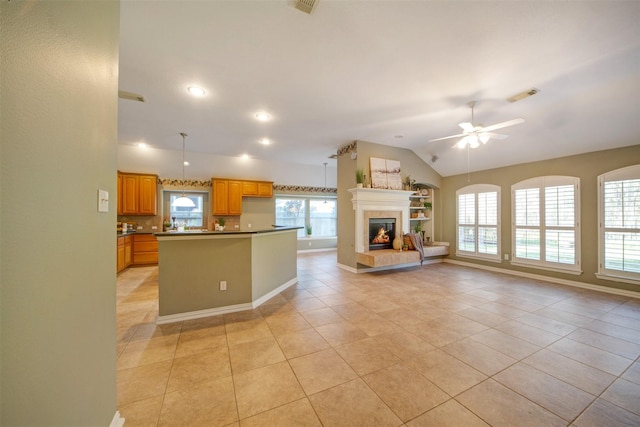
301	211
546	230
194	217
619	224
478	208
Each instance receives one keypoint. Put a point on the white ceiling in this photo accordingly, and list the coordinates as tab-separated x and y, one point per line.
375	70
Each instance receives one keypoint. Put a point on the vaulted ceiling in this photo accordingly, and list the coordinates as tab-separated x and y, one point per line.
398	73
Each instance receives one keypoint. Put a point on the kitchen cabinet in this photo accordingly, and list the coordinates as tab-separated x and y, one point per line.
227	197
257	188
145	249
137	194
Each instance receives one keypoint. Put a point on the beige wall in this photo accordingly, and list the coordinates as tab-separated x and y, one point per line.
59	98
587	167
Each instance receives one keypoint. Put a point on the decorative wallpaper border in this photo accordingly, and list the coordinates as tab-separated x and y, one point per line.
302	189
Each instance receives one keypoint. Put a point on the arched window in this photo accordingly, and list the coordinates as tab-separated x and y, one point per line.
478	221
546	228
619	225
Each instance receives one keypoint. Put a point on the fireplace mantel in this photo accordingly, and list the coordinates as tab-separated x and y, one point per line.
378	203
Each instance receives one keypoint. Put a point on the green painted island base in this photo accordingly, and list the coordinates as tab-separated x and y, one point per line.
193	269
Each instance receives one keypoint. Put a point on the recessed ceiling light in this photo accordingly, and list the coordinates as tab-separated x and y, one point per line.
265	141
196	91
262	116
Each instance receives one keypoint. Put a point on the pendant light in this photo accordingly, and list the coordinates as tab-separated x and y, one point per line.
183	201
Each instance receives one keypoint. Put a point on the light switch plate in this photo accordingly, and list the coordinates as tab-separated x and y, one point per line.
103	201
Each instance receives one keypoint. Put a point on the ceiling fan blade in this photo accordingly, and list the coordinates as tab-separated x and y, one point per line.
447	137
503	124
467	127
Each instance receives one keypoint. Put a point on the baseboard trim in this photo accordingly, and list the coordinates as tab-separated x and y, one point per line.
191	315
117	420
556	280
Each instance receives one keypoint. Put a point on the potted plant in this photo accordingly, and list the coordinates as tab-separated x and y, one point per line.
359	178
309	230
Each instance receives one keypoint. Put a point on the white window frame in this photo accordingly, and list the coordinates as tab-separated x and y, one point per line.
541	183
475	190
623	174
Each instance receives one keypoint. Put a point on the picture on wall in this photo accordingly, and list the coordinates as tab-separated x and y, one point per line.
385	173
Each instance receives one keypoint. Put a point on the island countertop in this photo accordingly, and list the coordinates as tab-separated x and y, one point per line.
173	233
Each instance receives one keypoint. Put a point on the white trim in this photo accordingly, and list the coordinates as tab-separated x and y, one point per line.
117	420
266	297
613	278
598	288
190	315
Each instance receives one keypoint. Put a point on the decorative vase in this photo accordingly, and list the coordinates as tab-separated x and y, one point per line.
397	243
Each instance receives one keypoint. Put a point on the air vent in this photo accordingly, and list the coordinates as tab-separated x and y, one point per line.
522	95
131	96
306	5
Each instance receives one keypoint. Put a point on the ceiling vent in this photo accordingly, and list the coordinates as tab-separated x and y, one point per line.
522	95
131	96
306	5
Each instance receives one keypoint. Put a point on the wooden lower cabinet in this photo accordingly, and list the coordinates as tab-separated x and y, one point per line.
145	249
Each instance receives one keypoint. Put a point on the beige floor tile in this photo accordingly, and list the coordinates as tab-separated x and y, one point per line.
265	388
322	316
352	404
143	413
600	359
149	351
367	355
603	413
321	370
404	344
483	358
406	392
528	333
298	413
498	405
578	374
199	340
564	400
206	403
507	344
258	329
199	367
142	382
340	333
625	394
287	323
254	354
300	343
449	414
447	372
604	342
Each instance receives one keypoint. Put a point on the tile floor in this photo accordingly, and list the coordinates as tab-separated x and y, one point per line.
439	345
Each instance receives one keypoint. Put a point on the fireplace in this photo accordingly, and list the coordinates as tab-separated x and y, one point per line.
382	231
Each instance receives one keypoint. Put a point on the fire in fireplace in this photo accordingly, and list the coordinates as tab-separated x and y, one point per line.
382	231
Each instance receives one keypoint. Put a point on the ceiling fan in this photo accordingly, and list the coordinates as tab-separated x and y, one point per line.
474	134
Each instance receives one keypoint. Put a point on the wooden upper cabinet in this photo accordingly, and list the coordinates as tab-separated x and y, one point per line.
235	198
137	194
220	196
257	188
147	194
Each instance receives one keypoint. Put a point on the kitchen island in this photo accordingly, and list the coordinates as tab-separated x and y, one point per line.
205	273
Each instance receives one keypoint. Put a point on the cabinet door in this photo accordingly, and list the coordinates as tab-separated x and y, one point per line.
119	194
129	194
147	190
220	197
235	198
265	189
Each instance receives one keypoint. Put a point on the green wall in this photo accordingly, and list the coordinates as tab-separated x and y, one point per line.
59	100
587	167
